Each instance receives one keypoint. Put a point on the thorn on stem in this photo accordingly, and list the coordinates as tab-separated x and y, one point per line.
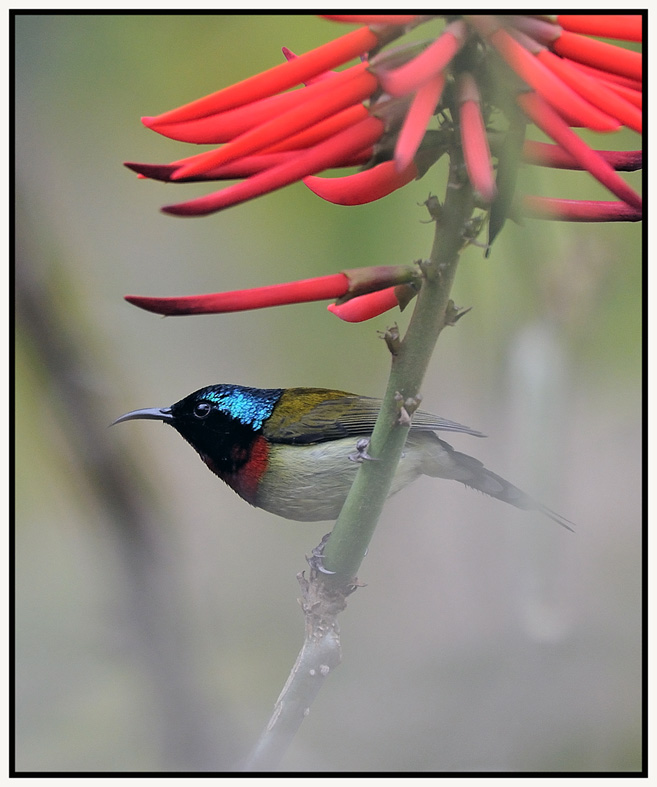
454	313
391	338
472	229
434	207
406	408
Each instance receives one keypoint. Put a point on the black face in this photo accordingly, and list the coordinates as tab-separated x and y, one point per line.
222	421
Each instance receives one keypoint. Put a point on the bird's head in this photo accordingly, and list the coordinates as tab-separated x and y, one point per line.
219	421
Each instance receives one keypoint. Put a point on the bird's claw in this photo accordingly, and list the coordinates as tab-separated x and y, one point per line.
316	559
360	454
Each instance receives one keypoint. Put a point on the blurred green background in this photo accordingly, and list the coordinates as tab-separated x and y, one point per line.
156	619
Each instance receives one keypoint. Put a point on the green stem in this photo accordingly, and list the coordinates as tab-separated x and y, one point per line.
324	595
354	528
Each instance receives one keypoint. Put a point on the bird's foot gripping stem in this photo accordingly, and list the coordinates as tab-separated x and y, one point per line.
360	454
316	559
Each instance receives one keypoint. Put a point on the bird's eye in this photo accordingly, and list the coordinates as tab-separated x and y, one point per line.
202	410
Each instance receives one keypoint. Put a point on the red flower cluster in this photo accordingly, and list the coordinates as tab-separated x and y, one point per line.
484	77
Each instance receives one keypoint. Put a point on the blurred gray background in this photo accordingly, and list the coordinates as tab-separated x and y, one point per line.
156	619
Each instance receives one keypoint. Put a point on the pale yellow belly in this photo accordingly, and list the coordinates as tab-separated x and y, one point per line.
310	482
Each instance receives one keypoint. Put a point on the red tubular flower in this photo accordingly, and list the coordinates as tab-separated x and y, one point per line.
323	156
625	27
224	126
430	62
243	168
353	283
613	80
323	130
549	121
319	289
399	109
599	54
288	54
590	89
595	92
419	113
546	155
564	100
328	97
364	307
578	210
626	88
363	187
279	78
473	136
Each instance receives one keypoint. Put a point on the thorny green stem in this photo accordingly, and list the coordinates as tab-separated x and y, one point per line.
354	528
324	595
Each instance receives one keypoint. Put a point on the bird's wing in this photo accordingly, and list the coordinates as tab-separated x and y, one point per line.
426	422
305	416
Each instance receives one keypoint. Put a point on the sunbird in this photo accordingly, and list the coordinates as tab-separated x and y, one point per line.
294	451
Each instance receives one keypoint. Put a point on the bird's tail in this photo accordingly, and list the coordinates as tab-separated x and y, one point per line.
472	473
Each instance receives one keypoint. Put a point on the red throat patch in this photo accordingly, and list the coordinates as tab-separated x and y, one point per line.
245	481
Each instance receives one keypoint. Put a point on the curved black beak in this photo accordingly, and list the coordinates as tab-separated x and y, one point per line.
154	414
